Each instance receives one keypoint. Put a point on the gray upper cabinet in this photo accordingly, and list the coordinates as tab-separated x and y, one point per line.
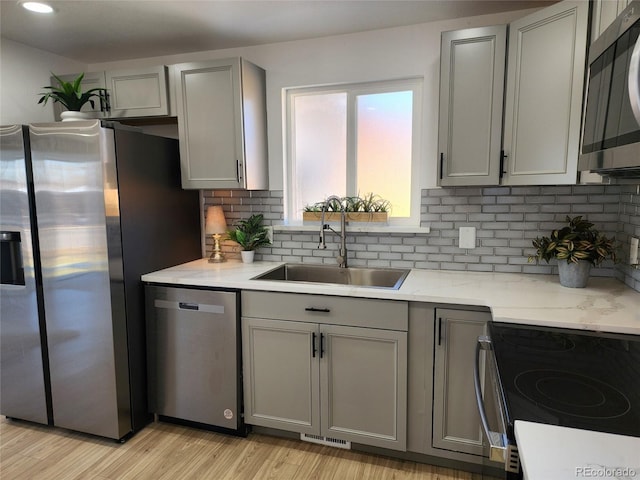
472	67
456	422
543	104
139	92
221	109
604	13
542	101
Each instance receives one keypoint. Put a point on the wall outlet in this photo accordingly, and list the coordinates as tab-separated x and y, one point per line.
269	233
467	237
633	252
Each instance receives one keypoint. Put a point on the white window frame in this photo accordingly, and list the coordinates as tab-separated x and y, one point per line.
353	90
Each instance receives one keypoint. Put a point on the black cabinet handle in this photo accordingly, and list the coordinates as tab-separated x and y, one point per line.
441	164
313	344
314	309
321	345
502	157
439	330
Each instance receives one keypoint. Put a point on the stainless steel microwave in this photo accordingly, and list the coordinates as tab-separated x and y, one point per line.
611	133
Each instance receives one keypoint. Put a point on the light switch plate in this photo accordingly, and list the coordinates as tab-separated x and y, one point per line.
467	237
269	233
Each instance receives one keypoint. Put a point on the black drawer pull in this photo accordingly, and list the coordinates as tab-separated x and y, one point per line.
188	306
314	309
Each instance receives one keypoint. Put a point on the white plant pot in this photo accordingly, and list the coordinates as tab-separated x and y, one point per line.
574	275
247	256
70	116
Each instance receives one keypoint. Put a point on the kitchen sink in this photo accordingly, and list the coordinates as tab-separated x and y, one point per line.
391	278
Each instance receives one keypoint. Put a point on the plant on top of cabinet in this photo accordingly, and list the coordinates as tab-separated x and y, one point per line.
222	124
70	94
576	246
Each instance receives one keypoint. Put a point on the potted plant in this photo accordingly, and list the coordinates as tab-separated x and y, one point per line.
577	247
368	208
71	96
250	234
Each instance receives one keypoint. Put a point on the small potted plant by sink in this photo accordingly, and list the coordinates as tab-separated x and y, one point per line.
71	96
577	246
250	234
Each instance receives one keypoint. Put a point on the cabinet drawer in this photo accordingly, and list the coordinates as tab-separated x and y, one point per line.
357	312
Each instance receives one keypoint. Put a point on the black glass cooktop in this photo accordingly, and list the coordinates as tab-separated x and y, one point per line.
570	378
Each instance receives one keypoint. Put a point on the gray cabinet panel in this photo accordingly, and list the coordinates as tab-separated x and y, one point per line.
471	99
456	422
138	92
543	104
364	378
281	375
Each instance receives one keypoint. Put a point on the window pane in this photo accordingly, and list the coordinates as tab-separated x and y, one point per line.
320	148
384	127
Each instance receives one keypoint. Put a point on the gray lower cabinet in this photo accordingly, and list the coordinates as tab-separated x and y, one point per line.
456	422
338	381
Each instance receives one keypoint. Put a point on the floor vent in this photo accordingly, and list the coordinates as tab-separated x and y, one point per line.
330	442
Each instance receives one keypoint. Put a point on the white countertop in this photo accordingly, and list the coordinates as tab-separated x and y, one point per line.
549	452
605	305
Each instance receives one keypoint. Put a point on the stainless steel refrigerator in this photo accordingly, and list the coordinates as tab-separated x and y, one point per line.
85	209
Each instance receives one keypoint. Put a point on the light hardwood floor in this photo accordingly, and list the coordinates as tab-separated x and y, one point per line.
164	451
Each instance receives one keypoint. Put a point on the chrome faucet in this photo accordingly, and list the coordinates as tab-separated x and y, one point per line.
342	253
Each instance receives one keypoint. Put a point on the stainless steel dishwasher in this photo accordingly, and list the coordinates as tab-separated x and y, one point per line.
193	349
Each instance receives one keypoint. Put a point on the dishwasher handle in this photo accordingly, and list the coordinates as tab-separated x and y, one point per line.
188	306
497	441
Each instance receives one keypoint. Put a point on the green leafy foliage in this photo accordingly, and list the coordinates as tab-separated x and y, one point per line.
250	233
70	94
369	203
576	241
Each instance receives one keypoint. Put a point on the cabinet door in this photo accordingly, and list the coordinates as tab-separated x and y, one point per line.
456	422
281	374
472	67
137	93
90	80
209	108
604	13
363	377
543	104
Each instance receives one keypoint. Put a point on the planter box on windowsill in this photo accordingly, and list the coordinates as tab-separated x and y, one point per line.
369	217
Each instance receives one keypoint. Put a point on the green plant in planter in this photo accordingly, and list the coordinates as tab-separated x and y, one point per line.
369	203
249	233
70	94
578	240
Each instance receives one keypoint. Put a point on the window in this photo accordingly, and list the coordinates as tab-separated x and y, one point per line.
355	140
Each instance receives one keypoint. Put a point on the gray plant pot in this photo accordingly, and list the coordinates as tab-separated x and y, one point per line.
574	275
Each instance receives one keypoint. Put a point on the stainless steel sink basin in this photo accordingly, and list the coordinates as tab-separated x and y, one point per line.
391	278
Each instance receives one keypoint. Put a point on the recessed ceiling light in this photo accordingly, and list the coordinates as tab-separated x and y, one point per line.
37	7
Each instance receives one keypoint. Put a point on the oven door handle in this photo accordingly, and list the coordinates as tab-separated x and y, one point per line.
497	441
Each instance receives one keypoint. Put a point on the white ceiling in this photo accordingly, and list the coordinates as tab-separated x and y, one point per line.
93	31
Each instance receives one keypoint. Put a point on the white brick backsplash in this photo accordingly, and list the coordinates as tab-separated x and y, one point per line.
506	220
